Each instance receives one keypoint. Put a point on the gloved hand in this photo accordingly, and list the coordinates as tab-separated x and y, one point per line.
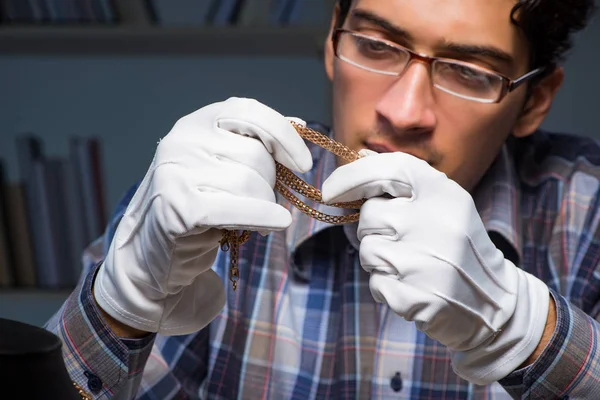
215	169
431	260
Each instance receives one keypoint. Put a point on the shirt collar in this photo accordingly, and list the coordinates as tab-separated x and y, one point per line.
496	198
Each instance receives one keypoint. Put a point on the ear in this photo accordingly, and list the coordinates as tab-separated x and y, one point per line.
329	56
538	104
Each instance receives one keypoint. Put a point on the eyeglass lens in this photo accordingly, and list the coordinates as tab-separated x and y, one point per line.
455	78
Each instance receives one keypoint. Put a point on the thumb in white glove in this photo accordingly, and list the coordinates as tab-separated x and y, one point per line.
214	170
432	261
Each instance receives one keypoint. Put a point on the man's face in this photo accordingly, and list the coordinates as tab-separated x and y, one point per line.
406	113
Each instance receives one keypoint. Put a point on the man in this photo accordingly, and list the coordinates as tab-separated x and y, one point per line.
472	273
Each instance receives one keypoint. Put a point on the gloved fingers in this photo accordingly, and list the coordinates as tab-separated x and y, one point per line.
409	302
399	259
297	120
439	318
195	307
177	203
444	284
179	185
236	179
243	168
388	217
395	174
229	149
413	266
194	256
226	211
251	118
417	264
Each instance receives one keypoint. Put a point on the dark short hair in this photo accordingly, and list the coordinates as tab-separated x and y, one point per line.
548	26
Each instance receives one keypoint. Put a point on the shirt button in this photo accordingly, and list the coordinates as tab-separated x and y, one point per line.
94	383
396	382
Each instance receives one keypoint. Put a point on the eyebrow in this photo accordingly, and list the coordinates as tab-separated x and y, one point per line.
465	50
365	16
477	50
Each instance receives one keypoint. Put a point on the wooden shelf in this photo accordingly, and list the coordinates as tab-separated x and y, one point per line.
135	41
32	306
7	292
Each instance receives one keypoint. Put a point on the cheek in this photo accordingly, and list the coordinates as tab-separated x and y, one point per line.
473	140
354	101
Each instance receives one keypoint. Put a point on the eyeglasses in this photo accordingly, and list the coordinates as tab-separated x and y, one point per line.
462	79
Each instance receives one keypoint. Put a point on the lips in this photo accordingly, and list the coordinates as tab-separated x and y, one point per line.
386	148
380	147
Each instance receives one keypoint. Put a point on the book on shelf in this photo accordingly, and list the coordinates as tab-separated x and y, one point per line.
57	12
164	13
16	258
51	213
180	12
223	12
7	278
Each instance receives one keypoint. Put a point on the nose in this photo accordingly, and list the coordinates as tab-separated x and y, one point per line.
408	105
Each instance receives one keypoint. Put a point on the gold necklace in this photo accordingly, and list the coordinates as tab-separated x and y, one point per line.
286	181
84	395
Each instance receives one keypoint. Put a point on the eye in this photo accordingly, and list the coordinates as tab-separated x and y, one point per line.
469	76
373	48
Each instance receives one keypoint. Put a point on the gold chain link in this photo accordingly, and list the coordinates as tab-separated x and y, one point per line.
84	395
231	240
286	181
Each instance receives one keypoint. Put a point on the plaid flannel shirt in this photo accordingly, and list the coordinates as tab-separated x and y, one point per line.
303	325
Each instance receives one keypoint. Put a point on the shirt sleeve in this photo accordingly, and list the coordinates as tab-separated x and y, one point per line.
101	363
569	367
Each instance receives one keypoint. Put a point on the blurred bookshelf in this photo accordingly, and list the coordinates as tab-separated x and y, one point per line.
58	206
124	40
164	27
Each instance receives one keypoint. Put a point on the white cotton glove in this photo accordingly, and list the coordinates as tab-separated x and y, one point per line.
432	261
215	169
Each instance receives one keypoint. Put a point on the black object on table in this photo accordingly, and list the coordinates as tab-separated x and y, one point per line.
31	364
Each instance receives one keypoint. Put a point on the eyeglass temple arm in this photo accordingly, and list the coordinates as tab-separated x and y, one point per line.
519	81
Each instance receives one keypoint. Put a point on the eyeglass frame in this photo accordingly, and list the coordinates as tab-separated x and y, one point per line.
508	84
